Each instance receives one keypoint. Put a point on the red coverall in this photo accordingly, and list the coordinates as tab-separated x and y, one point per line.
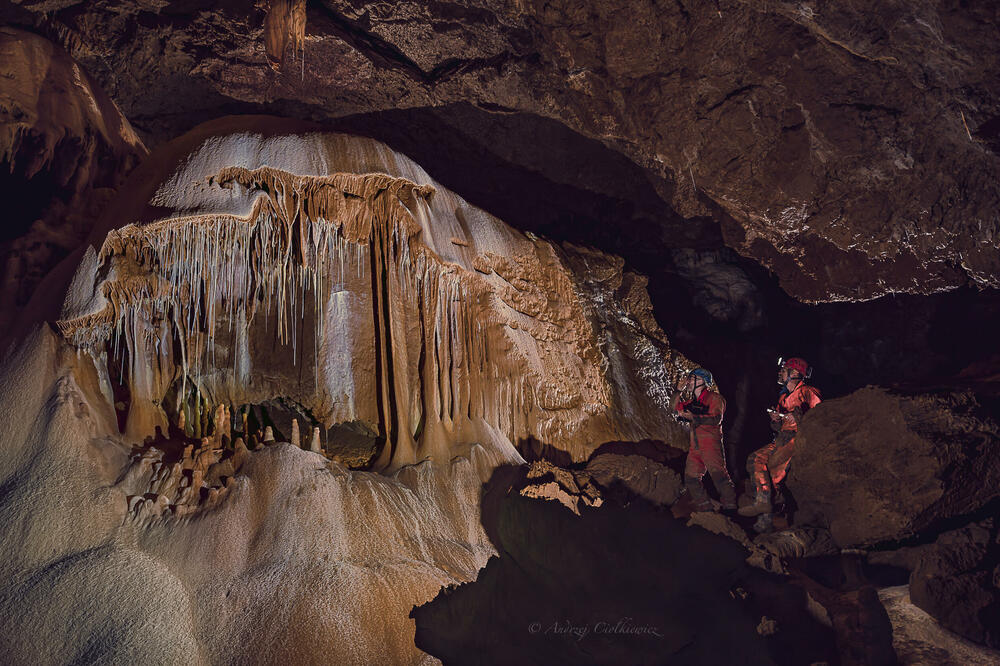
769	464
706	452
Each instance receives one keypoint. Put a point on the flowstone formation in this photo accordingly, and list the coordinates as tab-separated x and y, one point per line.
363	297
257	289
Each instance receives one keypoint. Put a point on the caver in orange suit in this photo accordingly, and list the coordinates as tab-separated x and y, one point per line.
706	452
769	464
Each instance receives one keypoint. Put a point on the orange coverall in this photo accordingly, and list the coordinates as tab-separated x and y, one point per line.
706	452
769	464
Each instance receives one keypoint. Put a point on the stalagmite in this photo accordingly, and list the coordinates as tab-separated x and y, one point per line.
296	440
315	446
221	426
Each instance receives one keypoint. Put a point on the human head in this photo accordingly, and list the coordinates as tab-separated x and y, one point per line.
793	369
700	374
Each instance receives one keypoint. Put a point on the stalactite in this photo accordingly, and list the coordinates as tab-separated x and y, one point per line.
197	281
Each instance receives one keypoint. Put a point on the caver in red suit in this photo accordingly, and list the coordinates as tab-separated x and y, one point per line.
704	412
769	464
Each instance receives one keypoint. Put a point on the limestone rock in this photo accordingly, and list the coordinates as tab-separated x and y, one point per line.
920	639
65	146
260	262
879	466
644	477
851	149
957	581
571	489
415	342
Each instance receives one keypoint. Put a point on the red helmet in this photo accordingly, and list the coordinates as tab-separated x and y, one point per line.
799	365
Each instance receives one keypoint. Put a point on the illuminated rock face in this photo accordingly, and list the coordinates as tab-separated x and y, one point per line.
339	277
255	262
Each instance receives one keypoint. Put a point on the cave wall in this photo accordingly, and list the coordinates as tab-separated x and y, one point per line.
64	149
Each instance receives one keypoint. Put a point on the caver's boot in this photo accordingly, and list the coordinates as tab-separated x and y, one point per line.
727	491
764	523
762	504
699	498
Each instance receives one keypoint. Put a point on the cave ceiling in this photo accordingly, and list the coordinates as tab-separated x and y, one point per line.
849	149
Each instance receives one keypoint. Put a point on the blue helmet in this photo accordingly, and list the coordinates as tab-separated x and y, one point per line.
705	375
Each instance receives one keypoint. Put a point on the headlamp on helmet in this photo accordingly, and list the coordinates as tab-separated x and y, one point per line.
799	365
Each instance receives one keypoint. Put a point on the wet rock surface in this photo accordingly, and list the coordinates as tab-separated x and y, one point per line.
881	466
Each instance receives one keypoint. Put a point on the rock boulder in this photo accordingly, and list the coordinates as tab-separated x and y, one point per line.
957	580
880	466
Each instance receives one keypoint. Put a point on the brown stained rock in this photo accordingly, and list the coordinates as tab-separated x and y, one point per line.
240	453
879	466
655	482
572	489
860	622
955	580
849	148
550	490
285	24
